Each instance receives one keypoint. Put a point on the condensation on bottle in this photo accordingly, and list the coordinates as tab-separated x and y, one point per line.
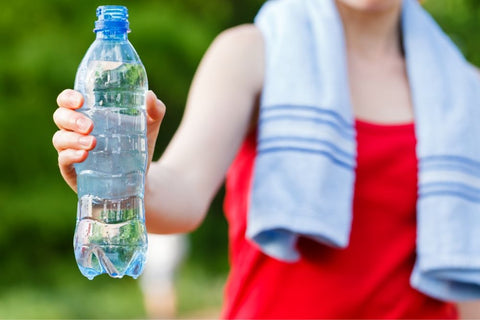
110	235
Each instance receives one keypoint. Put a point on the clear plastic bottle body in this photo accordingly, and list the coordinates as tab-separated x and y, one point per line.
110	235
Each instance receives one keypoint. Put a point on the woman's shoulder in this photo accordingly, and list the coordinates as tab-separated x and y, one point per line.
476	69
245	35
240	49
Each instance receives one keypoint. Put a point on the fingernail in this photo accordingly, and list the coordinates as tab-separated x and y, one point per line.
79	153
83	124
85	141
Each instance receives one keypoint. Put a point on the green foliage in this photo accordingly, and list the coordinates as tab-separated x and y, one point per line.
460	20
111	81
130	76
42	43
71	296
200	293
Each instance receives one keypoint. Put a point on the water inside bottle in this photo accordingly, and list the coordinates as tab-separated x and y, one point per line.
110	236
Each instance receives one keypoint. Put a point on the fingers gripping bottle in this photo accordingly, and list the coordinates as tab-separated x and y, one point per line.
110	235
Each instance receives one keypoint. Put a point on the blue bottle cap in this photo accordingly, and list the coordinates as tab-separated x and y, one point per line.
112	18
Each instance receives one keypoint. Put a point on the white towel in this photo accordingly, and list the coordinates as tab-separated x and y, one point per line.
305	167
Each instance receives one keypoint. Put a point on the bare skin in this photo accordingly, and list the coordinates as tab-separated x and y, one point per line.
379	87
222	106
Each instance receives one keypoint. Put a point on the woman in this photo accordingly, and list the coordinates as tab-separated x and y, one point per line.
370	279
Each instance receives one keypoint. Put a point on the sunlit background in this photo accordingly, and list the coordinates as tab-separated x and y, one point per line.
41	45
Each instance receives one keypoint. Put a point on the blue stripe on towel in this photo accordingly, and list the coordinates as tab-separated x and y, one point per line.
450	188
328	155
326	143
451	158
450	193
291	107
334	125
458	186
458	167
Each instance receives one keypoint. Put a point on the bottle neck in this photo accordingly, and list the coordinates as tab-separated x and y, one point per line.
112	34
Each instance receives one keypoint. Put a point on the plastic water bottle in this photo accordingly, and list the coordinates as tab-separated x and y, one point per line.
110	235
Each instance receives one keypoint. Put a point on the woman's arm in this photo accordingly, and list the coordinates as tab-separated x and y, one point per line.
220	106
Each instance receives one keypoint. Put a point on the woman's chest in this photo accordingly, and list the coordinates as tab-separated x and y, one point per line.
380	91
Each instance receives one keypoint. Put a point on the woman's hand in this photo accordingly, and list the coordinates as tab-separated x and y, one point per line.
73	140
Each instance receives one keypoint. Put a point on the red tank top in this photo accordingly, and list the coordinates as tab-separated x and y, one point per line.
370	278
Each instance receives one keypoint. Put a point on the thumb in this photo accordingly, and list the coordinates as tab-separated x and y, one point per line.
155	109
155	113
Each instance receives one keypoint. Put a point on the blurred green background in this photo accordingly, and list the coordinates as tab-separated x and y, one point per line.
41	45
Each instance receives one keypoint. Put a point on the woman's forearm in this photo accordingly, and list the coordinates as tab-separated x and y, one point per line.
172	205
